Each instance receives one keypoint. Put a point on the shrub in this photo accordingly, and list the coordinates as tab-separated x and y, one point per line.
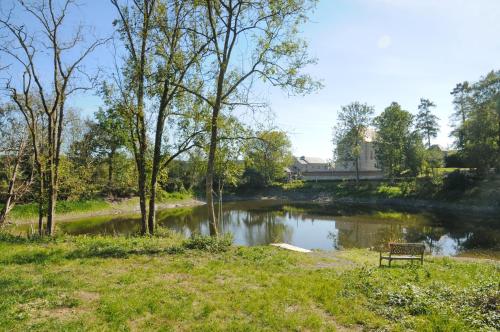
164	196
389	191
209	243
457	181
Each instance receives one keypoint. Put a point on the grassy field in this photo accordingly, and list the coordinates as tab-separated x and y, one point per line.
168	283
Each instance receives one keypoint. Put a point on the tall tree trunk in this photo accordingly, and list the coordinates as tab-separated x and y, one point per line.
156	168
50	182
210	175
357	170
143	177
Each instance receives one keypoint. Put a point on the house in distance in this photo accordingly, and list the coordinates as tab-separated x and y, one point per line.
317	169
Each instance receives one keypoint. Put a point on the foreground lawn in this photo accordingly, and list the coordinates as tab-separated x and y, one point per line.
167	283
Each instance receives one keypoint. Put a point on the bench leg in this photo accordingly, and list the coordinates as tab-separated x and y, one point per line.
390	261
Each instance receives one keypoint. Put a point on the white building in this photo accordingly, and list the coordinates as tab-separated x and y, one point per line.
367	161
316	169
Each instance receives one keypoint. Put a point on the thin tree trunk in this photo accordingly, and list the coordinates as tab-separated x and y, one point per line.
210	174
50	203
155	169
357	170
10	194
40	201
110	168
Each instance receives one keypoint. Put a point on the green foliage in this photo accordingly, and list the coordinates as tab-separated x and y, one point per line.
389	191
164	196
477	122
399	149
267	157
426	122
349	133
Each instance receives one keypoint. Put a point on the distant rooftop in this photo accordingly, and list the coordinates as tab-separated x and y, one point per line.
311	160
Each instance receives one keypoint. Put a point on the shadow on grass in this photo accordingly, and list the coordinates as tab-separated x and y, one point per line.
35	251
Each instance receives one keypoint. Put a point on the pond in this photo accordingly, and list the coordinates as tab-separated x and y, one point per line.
315	226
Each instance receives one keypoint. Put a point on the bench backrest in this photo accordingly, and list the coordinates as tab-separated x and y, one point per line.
406	248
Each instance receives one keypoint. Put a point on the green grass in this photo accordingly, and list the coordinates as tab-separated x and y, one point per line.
30	210
164	196
168	283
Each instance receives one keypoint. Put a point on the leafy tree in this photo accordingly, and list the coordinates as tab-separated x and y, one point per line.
462	101
397	145
268	31
164	45
108	135
478	135
426	122
434	158
349	133
269	154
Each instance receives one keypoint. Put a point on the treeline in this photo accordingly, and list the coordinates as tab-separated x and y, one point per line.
179	86
402	140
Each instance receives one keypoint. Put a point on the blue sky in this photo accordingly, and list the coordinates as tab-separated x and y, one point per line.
373	51
379	51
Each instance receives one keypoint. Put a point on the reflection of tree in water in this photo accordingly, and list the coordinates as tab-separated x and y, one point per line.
105	225
185	220
263	222
333	236
266	227
482	239
428	235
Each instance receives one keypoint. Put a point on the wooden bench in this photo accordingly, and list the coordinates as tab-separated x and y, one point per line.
404	251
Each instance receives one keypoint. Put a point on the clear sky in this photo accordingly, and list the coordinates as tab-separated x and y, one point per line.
373	51
379	51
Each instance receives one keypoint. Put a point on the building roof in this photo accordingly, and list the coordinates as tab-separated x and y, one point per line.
311	160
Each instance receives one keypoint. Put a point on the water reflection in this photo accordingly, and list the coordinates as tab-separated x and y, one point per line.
315	226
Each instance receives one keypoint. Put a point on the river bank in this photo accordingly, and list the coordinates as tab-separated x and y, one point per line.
484	200
102	208
166	282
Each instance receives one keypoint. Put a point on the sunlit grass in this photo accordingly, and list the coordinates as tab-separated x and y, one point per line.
164	283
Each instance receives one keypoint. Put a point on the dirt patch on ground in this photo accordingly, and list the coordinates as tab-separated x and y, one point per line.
88	296
329	259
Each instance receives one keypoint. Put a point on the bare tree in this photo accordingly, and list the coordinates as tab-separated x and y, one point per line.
67	76
14	146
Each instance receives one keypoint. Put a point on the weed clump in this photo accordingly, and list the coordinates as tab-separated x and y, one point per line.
209	243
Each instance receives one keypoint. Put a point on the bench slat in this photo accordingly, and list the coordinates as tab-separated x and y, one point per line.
404	251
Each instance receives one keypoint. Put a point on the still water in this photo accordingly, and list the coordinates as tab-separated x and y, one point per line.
316	226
